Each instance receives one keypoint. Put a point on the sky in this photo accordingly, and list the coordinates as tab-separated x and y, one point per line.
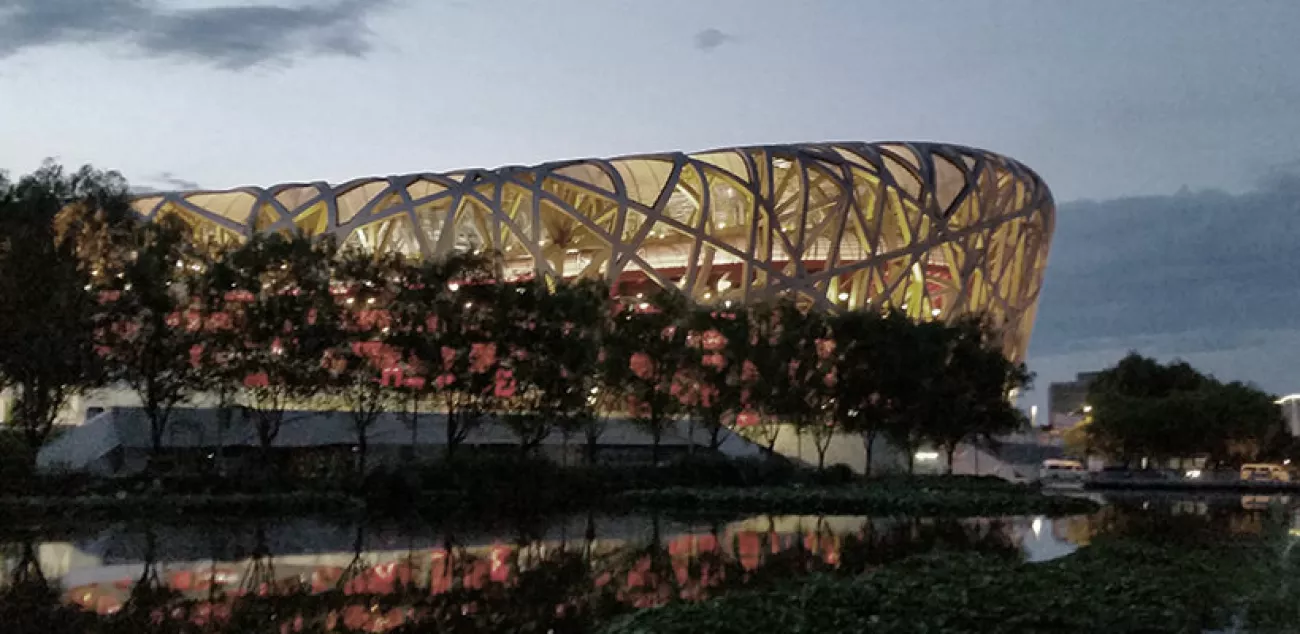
1167	129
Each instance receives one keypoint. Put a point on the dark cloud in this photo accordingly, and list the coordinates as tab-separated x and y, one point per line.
1284	178
711	38
233	36
1190	272
174	182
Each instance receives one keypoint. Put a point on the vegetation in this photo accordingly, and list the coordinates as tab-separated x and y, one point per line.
1119	586
797	375
47	305
144	291
1141	408
270	319
434	329
554	358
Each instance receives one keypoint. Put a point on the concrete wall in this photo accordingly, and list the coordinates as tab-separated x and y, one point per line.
847	449
82	407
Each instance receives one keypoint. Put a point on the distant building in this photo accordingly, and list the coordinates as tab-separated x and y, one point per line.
1066	400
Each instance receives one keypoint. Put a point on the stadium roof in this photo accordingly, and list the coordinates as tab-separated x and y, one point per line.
935	230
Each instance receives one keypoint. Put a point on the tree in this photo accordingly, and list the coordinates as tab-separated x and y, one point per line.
720	342
760	371
220	313
1141	408
1136	404
526	336
469	378
550	345
1250	419
644	354
289	320
47	303
585	308
802	392
418	333
360	356
143	338
971	394
868	346
914	367
605	398
444	336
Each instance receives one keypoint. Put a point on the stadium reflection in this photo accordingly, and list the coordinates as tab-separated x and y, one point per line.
307	573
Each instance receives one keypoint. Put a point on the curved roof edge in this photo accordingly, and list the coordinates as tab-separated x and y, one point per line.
824	149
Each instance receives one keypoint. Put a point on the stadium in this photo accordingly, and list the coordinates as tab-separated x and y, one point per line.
935	230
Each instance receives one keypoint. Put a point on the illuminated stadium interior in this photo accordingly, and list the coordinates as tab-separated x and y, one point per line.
935	230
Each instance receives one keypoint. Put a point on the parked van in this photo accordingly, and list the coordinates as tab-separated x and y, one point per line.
1263	472
1062	472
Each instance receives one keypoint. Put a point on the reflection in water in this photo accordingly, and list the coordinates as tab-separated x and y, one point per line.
1185	518
306	573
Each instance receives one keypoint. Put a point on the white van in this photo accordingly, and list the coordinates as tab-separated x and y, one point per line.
1066	472
1265	472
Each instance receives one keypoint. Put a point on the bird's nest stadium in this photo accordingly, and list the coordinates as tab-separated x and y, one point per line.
934	230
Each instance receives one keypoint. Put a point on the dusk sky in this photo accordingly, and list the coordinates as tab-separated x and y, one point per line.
1178	119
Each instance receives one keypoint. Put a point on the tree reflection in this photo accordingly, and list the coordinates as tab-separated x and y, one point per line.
29	602
528	584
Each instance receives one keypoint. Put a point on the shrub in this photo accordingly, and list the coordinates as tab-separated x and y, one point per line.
837	474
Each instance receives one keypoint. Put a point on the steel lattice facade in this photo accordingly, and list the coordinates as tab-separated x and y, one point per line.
935	230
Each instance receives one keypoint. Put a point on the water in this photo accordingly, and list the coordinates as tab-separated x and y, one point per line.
559	574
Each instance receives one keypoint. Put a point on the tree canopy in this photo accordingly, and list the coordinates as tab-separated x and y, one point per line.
47	303
1142	408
